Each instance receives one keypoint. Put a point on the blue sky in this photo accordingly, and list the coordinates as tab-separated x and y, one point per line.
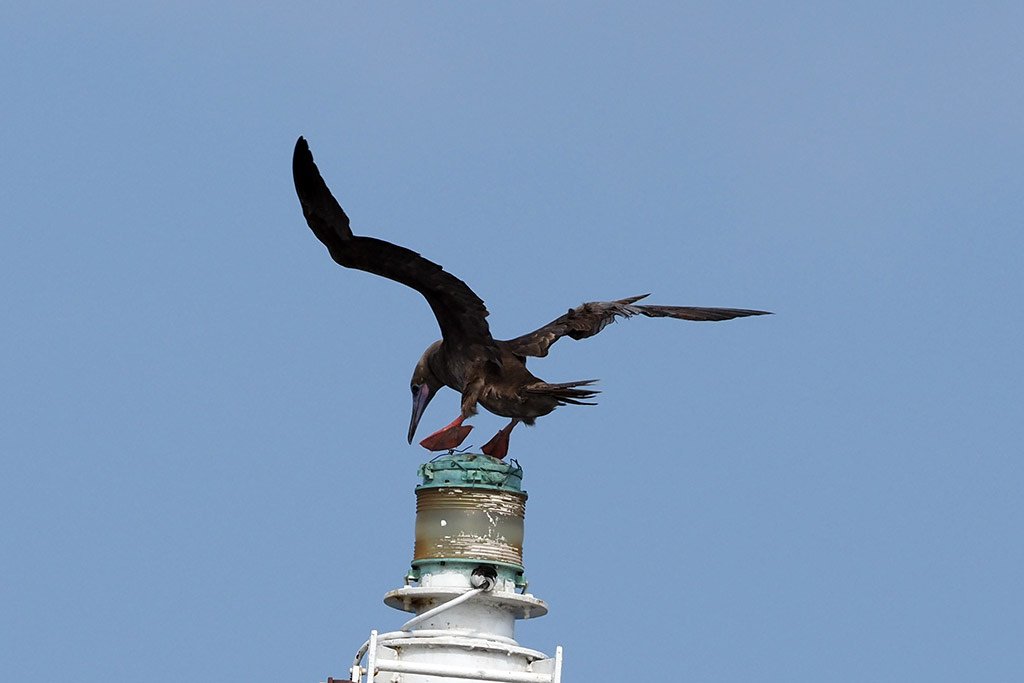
202	418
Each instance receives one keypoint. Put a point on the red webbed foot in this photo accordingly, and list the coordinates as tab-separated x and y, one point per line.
497	447
447	438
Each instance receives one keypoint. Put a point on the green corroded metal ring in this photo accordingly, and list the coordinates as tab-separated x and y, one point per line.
471	470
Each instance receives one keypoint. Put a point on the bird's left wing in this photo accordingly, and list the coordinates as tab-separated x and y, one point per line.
460	313
590	318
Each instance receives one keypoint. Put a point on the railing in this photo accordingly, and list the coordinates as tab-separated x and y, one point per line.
548	670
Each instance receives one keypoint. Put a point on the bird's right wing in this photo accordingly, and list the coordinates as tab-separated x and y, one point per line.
460	313
590	318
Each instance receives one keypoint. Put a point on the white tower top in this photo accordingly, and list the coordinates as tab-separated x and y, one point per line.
466	586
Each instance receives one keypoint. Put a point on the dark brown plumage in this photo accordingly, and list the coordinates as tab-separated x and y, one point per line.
486	371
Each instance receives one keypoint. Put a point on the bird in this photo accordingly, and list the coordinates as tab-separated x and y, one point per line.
487	372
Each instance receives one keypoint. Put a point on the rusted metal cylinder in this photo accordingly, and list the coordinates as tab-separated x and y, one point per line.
469	509
469	524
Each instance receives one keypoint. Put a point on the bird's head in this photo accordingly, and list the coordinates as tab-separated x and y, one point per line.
424	385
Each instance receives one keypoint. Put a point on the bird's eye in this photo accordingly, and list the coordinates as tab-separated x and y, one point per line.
415	389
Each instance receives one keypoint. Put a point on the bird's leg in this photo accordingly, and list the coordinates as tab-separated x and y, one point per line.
448	438
497	447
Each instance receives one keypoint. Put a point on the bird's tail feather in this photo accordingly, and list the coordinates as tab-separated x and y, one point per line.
566	392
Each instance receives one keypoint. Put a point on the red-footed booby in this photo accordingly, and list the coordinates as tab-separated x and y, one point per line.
486	371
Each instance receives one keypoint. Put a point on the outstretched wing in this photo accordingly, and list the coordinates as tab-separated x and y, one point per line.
590	318
460	313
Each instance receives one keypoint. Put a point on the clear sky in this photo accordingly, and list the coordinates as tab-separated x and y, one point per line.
202	418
